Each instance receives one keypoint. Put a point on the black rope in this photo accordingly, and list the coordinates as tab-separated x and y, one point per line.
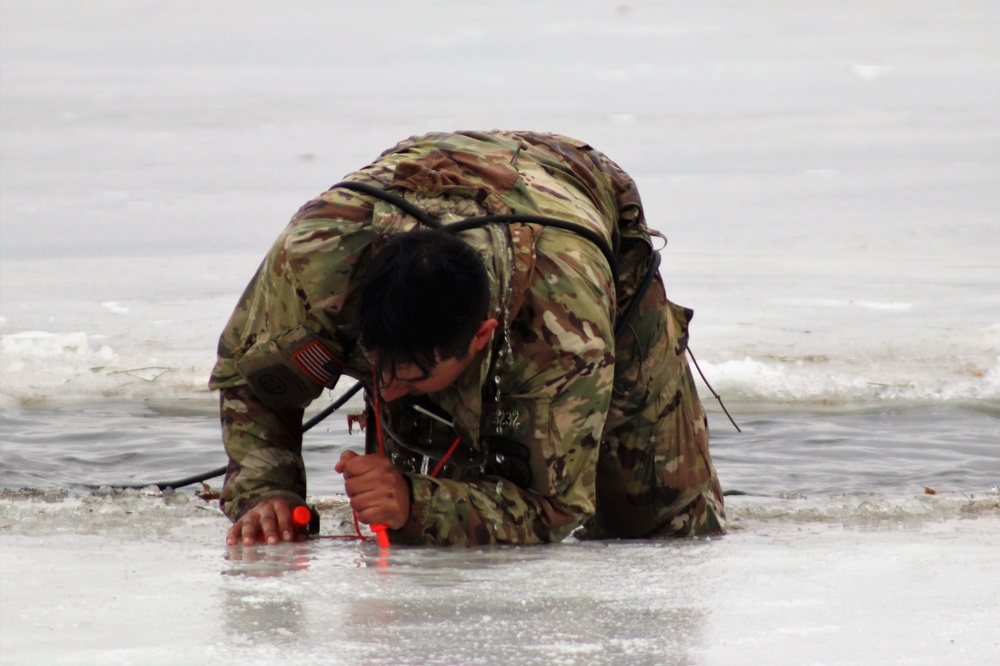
717	396
187	481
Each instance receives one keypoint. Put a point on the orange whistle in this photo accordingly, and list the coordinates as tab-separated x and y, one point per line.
301	516
379	530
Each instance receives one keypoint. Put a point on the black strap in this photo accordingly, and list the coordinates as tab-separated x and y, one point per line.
633	307
478	222
578	229
401	203
180	483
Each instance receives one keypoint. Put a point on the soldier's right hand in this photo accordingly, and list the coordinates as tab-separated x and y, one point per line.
271	518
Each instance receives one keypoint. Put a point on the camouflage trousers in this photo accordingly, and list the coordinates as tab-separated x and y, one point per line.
655	477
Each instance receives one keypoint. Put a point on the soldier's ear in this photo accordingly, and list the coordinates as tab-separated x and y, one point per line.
483	335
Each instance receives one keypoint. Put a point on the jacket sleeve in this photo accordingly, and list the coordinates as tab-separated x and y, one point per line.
543	434
303	283
264	446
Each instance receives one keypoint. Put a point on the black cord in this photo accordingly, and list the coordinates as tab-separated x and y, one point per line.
717	396
187	481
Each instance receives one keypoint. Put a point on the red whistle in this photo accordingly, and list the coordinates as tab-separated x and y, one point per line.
301	516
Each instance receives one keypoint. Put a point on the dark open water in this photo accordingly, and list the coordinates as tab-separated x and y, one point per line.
883	450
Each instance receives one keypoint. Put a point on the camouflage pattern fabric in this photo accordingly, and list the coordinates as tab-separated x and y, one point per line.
559	426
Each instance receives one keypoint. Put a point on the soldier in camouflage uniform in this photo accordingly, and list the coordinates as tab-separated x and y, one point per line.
569	412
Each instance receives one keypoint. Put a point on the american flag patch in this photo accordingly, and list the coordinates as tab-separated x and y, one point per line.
317	362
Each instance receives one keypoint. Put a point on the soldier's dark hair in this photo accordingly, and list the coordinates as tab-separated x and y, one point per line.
423	297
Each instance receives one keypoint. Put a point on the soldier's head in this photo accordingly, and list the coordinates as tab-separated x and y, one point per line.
423	311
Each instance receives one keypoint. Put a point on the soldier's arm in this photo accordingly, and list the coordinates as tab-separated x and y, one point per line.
310	264
264	446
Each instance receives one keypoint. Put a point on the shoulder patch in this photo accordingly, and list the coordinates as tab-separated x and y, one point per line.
290	371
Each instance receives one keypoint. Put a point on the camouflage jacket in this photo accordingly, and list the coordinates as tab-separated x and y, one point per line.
530	412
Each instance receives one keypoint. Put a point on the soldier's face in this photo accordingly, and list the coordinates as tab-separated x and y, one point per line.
412	380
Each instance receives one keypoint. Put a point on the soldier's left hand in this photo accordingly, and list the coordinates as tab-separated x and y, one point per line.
378	491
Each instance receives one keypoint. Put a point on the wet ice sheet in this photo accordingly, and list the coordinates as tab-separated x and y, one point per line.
161	589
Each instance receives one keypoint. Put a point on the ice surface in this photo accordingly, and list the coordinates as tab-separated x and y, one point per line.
135	578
